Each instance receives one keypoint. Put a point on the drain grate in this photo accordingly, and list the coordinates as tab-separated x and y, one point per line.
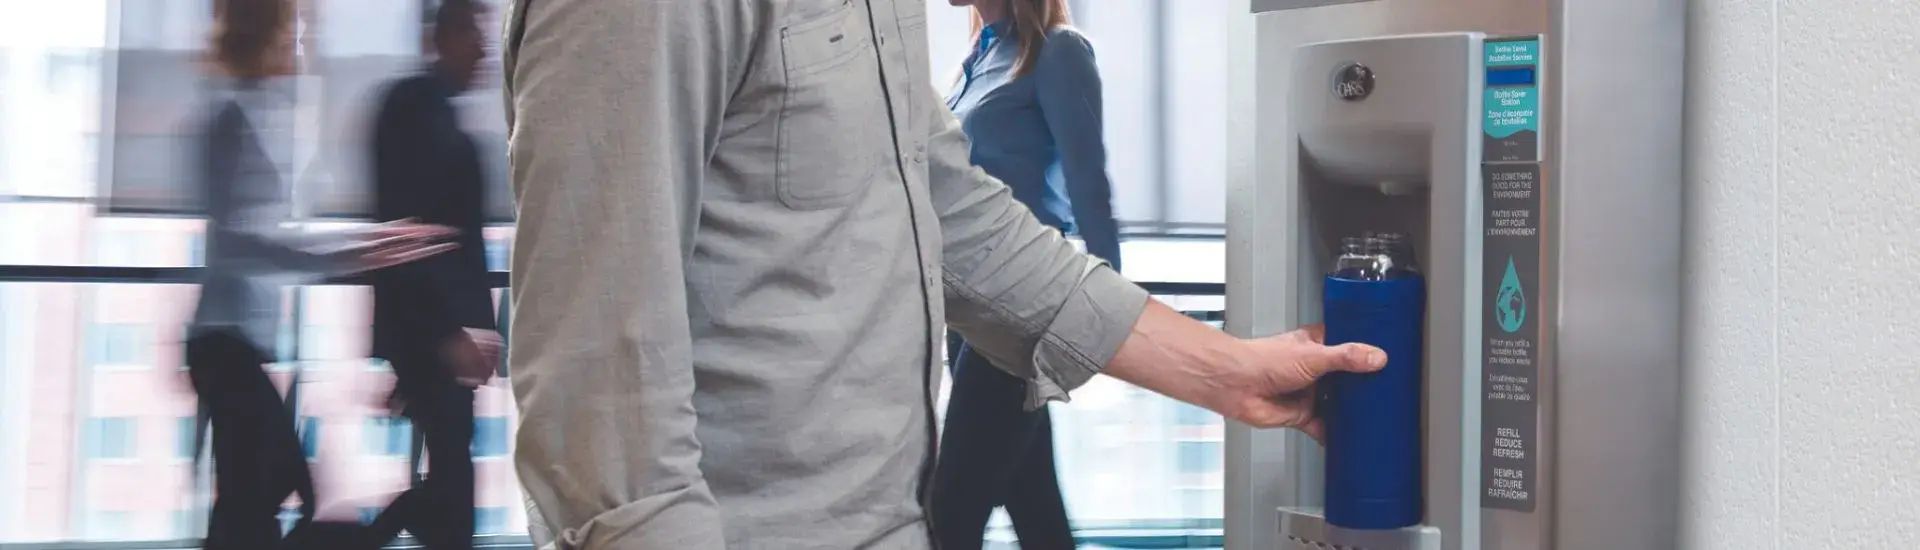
1308	543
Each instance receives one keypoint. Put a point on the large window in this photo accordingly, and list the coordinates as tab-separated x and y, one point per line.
97	420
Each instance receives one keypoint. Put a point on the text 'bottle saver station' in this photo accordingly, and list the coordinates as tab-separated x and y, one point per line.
1374	296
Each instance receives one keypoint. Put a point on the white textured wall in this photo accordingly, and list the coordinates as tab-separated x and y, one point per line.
1803	242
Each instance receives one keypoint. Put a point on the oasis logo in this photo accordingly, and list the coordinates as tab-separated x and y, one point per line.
1353	82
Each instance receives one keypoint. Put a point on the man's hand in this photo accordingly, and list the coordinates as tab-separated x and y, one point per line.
394	243
1264	382
473	355
1287	366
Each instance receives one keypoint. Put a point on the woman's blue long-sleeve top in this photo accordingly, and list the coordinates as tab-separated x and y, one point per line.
1041	132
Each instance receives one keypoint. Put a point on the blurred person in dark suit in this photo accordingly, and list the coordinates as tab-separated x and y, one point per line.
244	158
433	320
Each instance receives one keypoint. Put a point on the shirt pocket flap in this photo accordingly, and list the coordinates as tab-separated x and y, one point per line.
826	40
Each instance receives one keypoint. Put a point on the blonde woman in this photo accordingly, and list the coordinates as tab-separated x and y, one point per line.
1028	97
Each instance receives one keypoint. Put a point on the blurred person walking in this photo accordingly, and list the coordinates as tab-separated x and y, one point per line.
434	320
1028	98
244	162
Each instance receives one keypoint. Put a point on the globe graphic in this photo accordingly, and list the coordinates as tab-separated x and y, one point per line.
1510	308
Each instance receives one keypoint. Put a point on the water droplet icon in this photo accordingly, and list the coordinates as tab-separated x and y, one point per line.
1510	306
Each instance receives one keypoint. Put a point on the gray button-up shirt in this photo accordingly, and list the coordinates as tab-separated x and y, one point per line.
742	224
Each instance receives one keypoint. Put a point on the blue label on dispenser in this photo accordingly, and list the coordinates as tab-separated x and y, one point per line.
1510	102
1511	332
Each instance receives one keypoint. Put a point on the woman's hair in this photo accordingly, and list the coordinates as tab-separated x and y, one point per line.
248	36
1031	21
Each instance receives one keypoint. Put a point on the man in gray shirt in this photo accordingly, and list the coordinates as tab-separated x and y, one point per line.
743	226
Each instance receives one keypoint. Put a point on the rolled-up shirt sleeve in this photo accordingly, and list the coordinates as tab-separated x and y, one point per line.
614	107
1019	292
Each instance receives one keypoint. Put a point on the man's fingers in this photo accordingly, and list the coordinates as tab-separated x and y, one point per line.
1267	414
444	247
1346	358
1294	410
396	243
411	229
396	255
1289	410
412	233
484	336
388	241
1315	361
434	231
410	252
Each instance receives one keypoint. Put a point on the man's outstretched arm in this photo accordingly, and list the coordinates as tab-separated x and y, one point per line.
1043	311
1017	289
615	106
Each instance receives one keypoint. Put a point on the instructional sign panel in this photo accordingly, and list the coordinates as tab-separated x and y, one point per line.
1510	103
1513	52
1511	332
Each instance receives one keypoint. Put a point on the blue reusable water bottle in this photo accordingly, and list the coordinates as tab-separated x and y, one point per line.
1374	296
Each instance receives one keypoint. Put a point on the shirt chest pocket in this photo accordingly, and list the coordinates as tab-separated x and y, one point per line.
835	135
